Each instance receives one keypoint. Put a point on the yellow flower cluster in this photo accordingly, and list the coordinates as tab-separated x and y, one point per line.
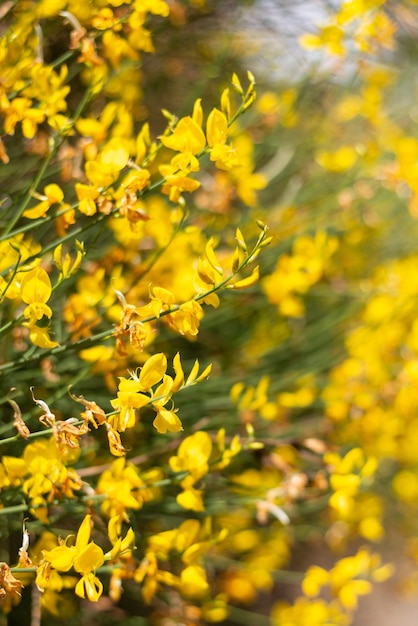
135	263
71	103
362	21
85	557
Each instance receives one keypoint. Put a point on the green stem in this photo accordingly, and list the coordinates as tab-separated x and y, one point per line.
78	345
38	433
23	206
162	250
11	277
23	570
18	508
57	140
107	334
105	569
11	324
248	618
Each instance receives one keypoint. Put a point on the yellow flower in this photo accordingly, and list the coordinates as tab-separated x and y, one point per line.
121	545
52	195
193	582
86	194
167	421
88	558
216	128
187	318
315	578
330	37
175	184
185	162
225	156
128	400
84	557
132	395
35	290
40	337
35	286
105	167
89	586
20	110
191	499
341	160
49	8
157	7
193	454
125	489
186	137
62	557
152	371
